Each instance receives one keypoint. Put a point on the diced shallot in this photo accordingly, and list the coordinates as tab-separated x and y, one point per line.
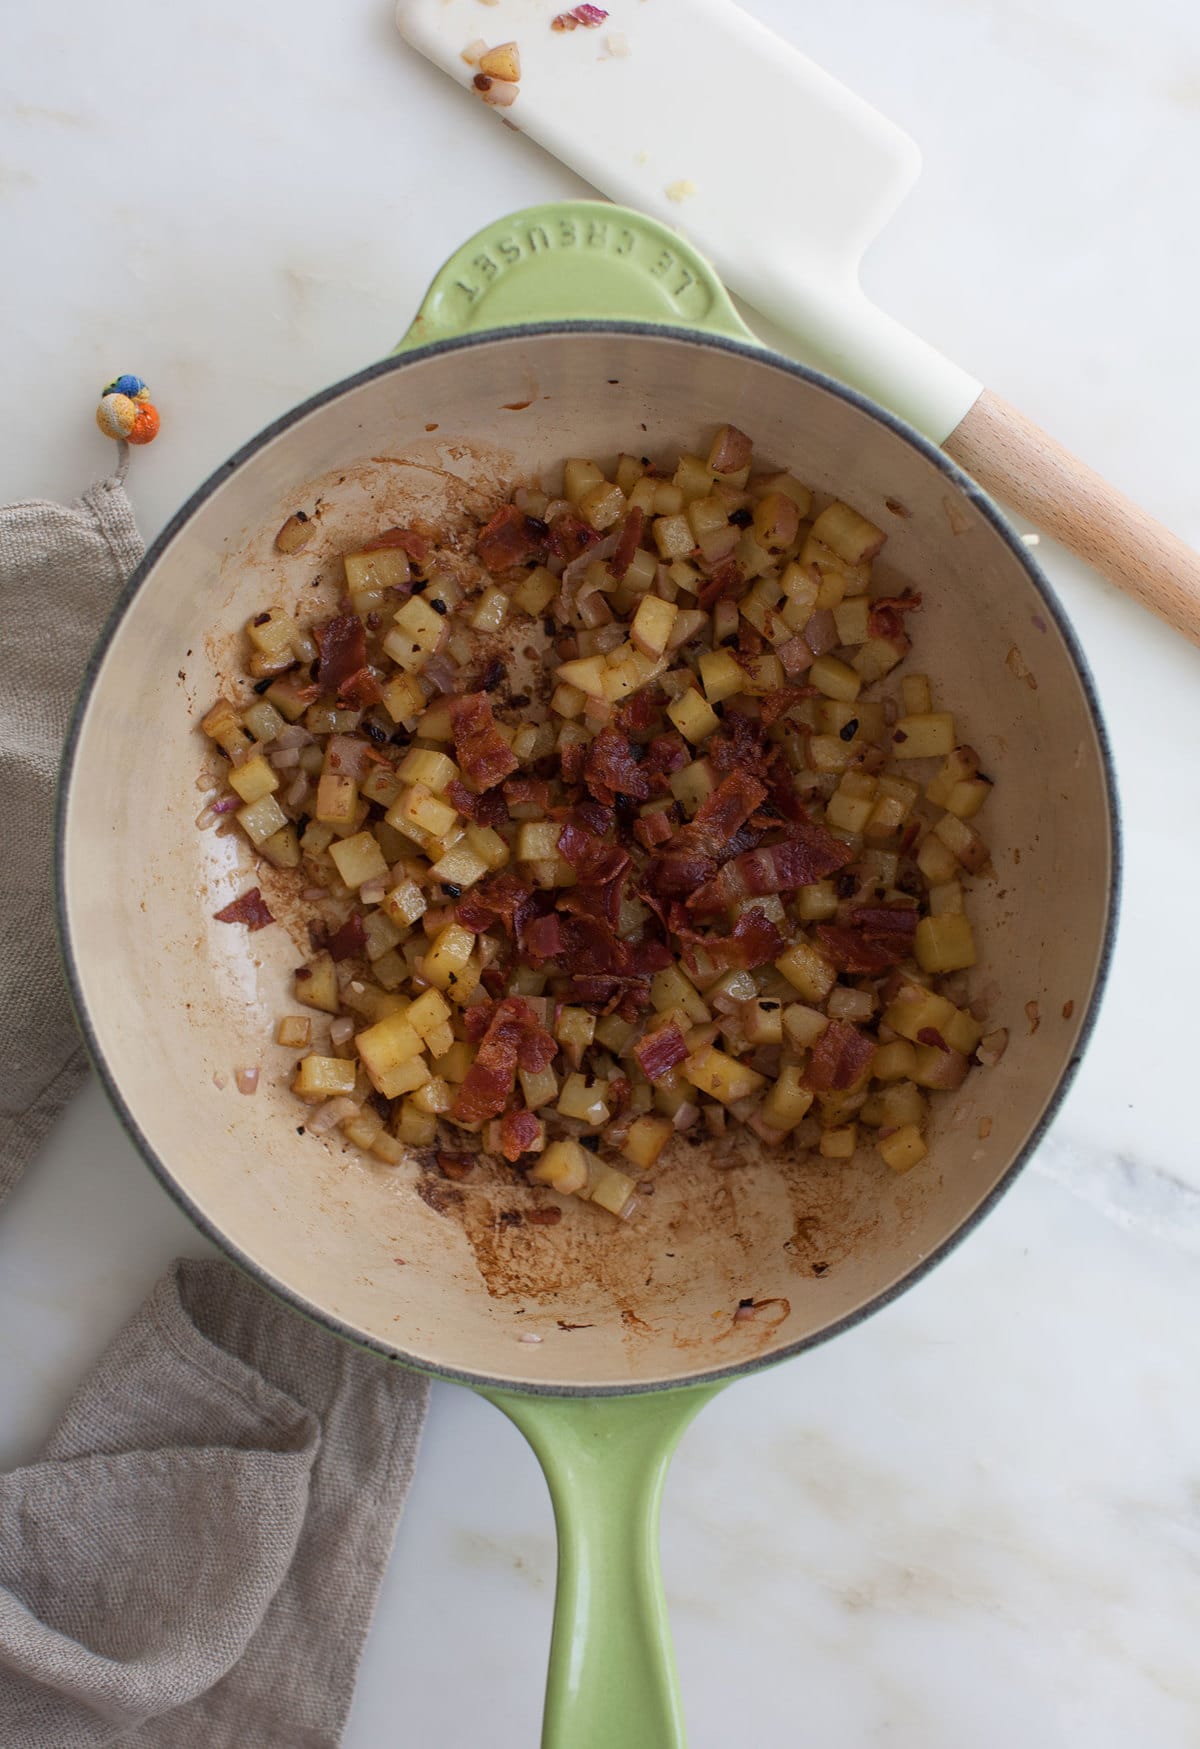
247	1079
686	1116
330	1115
341	1031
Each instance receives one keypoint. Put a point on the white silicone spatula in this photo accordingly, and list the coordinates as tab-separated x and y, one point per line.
782	177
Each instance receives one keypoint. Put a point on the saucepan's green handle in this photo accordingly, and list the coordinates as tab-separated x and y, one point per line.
574	260
611	1682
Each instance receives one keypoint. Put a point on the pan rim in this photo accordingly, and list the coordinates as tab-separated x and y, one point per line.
753	353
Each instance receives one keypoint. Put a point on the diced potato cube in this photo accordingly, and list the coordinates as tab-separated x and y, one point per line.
668	499
363	1129
924	737
385	568
839	1144
381	935
539	1087
425	766
439	1040
672	537
848	534
645	1141
960	764
324	1077
417	807
589	1104
808	971
615	1034
260	820
502	62
613	1190
721	1076
585	674
359	859
387	1043
802	1026
693	717
672	988
652	624
435	1096
537	840
761	1021
962	1032
459	867
829	753
488	846
445	964
534	593
416	632
894	1061
630	470
848	812
602	505
429	1010
694	478
254	779
404	1077
405	903
852	619
875	658
916	1008
901	1103
787	1101
936	861
403	698
967	797
776	520
836	679
491	610
337	798
455	1060
963	842
568	701
818	903
282	848
564	1166
414	1127
692	783
579	477
316	984
293	1031
574	1029
721	675
945	943
903	1149
272	632
224	726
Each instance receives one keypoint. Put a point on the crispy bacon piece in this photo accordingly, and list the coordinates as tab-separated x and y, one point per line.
739	746
571	756
593	815
519	1132
509	539
778	703
527	792
808	854
503	899
723	813
929	1035
489	809
630	541
653	830
350	940
542	938
361	691
342	642
677	873
414	544
628	997
851	951
665	754
251	909
885	617
727	580
484	755
660	1050
754	941
840	1058
513	1037
879	921
595	862
639	710
569	536
610	769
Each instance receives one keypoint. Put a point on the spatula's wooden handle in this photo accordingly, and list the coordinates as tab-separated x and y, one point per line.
1015	460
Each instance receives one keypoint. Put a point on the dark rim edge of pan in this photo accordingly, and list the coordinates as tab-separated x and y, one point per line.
951	472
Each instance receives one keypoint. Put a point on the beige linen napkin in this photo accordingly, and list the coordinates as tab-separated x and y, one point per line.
193	1561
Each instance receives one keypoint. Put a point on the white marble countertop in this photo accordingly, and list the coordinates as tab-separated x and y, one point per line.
975	1518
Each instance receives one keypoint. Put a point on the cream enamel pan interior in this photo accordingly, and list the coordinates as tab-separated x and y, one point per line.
173	1002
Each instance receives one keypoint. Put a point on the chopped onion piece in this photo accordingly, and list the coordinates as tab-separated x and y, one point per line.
247	1079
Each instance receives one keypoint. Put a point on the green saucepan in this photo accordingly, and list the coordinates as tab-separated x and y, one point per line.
575	329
